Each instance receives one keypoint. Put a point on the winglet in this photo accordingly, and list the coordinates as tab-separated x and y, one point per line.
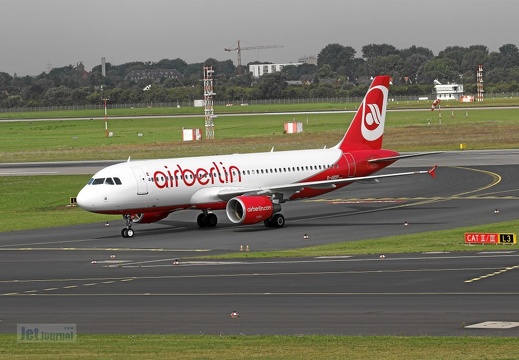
432	172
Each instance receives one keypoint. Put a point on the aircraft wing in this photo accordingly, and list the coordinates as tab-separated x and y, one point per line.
290	189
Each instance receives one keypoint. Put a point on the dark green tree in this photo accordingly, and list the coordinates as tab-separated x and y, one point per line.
376	50
271	86
335	55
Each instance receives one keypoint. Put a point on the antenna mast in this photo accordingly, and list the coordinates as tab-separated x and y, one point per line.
479	83
208	102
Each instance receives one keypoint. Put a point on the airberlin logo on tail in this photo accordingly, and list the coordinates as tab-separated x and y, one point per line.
373	113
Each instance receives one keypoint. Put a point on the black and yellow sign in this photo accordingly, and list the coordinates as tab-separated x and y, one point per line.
507	238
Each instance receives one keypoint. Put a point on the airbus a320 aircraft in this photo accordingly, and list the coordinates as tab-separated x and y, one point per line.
249	187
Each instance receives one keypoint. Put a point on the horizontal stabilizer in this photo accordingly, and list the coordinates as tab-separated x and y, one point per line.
394	158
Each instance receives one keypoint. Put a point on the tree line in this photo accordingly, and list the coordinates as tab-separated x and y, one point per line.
339	73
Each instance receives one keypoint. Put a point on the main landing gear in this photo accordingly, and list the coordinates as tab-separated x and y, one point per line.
127	232
207	219
276	221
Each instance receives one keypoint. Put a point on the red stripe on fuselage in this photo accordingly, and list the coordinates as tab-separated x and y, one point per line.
359	167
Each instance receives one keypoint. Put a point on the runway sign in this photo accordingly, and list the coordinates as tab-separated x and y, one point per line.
490	238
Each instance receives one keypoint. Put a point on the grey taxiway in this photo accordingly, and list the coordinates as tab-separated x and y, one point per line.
156	283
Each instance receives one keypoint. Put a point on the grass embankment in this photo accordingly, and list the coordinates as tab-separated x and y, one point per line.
143	138
277	106
34	202
264	347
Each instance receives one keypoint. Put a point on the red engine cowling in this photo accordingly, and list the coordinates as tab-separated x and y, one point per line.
151	217
247	210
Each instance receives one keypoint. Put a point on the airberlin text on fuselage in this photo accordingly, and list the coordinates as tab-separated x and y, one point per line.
218	174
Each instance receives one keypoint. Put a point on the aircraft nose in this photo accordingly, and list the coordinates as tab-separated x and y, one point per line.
85	199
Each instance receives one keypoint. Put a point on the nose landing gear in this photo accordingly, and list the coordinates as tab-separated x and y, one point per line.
127	232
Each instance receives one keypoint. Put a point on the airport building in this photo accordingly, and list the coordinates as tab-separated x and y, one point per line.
259	70
448	92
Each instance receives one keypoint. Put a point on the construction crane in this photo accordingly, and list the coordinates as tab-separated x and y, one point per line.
239	48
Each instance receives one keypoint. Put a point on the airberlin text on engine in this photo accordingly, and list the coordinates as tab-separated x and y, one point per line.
215	174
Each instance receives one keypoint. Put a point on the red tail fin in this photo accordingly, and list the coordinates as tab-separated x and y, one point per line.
367	127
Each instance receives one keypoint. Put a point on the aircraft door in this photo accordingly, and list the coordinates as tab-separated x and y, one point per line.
352	167
142	183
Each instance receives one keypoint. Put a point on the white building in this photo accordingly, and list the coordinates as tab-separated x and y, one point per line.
448	92
259	70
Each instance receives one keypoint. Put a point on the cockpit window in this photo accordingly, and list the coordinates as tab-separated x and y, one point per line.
109	181
98	181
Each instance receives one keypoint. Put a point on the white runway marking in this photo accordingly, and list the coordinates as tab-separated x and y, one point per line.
493	325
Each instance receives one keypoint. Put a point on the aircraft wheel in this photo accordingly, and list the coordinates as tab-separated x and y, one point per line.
268	222
278	220
211	220
201	220
129	233
124	232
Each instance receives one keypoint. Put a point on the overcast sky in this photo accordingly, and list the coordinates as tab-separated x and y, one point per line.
38	34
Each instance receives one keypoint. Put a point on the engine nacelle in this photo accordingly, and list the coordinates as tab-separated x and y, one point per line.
247	210
151	217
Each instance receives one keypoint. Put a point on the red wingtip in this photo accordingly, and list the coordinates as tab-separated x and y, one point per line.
432	172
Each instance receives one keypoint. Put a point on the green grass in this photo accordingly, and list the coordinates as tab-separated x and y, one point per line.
33	202
264	347
405	131
277	106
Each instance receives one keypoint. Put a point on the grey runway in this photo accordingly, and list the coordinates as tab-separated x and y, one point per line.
68	275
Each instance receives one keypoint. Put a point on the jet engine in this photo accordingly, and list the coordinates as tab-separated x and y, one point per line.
150	217
247	210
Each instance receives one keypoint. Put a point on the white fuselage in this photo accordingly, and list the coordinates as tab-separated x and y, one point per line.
181	183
